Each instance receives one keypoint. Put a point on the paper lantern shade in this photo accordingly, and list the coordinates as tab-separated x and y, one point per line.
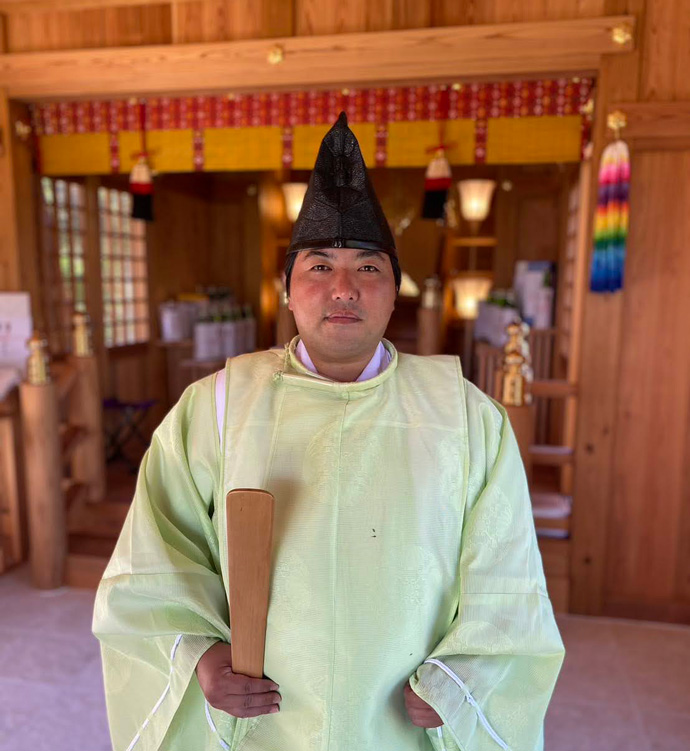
475	198
294	195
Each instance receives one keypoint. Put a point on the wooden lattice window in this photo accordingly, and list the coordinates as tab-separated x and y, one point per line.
123	270
63	247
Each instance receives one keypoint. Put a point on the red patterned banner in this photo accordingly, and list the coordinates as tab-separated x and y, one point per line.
475	101
395	121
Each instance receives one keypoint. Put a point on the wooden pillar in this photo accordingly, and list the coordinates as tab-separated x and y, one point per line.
272	220
42	455
10	276
18	217
600	350
429	322
430	319
86	411
522	421
11	498
286	328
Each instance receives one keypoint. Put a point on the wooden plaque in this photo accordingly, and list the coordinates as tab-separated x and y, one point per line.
250	533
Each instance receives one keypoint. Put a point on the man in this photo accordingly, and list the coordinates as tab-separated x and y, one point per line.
408	607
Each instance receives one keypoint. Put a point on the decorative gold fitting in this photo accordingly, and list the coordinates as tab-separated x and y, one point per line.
276	55
513	380
37	368
81	336
616	121
517	371
622	34
22	130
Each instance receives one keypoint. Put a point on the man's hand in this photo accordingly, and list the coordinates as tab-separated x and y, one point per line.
419	711
238	695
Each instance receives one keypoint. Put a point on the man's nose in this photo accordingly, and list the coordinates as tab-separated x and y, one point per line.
344	286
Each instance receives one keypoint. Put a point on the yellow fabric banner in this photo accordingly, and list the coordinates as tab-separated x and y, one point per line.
78	154
509	140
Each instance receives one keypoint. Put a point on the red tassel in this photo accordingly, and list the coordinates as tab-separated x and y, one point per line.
437	181
141	188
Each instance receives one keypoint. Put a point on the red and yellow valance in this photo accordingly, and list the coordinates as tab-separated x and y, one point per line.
495	123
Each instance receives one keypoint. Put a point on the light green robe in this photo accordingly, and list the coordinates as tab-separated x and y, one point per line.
404	549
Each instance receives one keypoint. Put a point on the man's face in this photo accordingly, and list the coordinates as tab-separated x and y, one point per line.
342	300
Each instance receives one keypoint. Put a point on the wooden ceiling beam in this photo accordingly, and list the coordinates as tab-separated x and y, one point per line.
43	6
660	121
382	58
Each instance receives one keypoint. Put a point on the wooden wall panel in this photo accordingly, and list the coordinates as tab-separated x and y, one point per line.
666	58
225	20
10	275
598	388
314	17
317	17
179	239
631	498
219	20
632	519
452	12
18	229
89	28
653	397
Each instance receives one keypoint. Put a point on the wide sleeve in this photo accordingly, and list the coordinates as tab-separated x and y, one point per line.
161	603
492	675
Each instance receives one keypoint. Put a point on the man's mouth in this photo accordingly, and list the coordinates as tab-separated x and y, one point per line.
343	316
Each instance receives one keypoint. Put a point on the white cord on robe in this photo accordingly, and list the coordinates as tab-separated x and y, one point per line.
213	727
135	740
472	701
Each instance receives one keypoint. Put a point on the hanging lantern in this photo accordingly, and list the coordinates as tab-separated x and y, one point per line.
294	195
475	200
470	288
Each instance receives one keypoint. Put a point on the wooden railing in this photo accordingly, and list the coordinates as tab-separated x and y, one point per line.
64	455
552	507
489	361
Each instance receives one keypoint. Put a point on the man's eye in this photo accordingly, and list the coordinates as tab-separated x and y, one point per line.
319	267
370	268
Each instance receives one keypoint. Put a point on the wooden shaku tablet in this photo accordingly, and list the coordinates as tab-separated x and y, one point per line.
250	533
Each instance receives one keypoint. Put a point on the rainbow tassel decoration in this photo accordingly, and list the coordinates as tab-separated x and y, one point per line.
611	223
